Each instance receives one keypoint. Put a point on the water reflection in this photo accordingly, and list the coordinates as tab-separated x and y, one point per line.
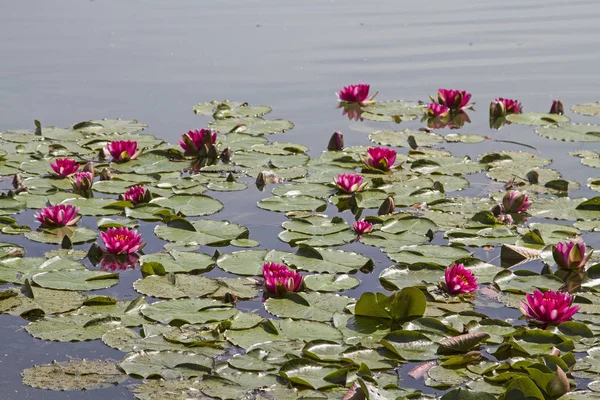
353	111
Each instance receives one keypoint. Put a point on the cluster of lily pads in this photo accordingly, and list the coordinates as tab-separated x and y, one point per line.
453	319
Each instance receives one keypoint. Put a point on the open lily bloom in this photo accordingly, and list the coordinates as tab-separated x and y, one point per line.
570	255
453	99
381	158
350	183
549	307
362	227
58	215
121	240
279	279
123	150
459	280
355	94
64	167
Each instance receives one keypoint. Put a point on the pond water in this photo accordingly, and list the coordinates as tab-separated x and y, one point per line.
153	61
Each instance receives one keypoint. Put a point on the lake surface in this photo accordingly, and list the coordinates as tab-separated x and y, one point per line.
69	61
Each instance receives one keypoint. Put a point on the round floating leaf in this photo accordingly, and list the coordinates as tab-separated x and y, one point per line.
166	364
292	203
327	260
308	373
109	126
176	286
248	262
77	235
401	276
201	232
181	261
410	345
591	109
307	306
71	328
571	133
458	137
76	279
252	125
171	390
190	205
400	138
330	283
74	375
536	119
230	109
16	270
188	311
523	281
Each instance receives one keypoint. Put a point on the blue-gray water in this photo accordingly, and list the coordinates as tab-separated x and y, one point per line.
67	61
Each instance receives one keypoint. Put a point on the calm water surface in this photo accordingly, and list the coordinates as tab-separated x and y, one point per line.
68	61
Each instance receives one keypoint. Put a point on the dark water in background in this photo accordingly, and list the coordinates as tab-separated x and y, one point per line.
67	61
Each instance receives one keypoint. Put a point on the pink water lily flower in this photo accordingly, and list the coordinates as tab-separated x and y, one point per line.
516	202
549	307
570	255
121	240
453	99
64	167
435	110
355	94
58	215
192	142
380	158
361	227
123	150
135	194
350	183
83	181
279	279
459	280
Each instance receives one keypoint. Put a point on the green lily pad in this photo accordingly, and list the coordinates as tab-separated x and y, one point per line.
252	125
166	364
75	279
532	118
74	375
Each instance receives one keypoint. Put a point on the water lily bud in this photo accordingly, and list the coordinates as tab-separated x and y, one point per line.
497	109
105	175
387	206
497	210
89	167
102	154
261	180
336	142
557	107
230	178
559	384
516	202
570	255
212	152
226	154
17	181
